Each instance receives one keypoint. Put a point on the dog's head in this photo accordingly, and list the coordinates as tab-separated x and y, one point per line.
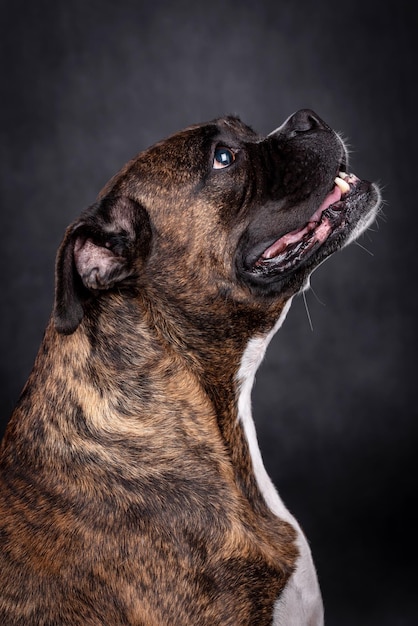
216	213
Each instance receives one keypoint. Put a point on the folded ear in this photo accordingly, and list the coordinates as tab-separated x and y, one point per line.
104	248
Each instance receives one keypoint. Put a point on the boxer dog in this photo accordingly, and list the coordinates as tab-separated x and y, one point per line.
132	489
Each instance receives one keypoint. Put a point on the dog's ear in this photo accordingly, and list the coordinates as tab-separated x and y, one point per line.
105	247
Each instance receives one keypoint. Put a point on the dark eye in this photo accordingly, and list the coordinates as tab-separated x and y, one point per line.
223	158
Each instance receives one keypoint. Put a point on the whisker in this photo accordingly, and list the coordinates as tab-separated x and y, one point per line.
381	216
318	299
307	311
364	248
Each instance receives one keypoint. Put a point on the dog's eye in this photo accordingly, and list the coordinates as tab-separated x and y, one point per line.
223	158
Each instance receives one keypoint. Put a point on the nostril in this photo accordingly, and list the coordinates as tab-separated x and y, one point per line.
304	121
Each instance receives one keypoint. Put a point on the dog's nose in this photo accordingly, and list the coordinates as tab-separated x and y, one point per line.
302	121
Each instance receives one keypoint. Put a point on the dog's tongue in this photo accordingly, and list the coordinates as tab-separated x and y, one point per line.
296	235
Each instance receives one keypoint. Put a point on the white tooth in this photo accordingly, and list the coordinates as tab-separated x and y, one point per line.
344	187
343	175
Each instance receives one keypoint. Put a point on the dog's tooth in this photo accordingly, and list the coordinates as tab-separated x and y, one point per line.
342	184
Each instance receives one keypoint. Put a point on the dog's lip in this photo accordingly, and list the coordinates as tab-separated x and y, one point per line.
317	229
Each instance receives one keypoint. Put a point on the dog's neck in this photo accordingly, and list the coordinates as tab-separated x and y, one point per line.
205	383
208	379
216	364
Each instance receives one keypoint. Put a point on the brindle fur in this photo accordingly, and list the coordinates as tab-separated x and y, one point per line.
127	495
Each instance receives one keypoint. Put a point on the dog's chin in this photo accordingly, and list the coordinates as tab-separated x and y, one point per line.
348	210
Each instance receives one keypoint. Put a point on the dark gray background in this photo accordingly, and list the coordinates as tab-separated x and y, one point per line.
86	85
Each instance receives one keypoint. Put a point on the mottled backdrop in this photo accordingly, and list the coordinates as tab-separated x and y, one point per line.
86	85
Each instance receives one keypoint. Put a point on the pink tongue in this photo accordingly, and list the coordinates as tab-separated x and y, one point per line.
296	235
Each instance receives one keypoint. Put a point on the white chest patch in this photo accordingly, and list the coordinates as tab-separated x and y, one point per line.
300	603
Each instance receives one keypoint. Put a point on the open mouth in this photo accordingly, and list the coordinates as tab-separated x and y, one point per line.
293	247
